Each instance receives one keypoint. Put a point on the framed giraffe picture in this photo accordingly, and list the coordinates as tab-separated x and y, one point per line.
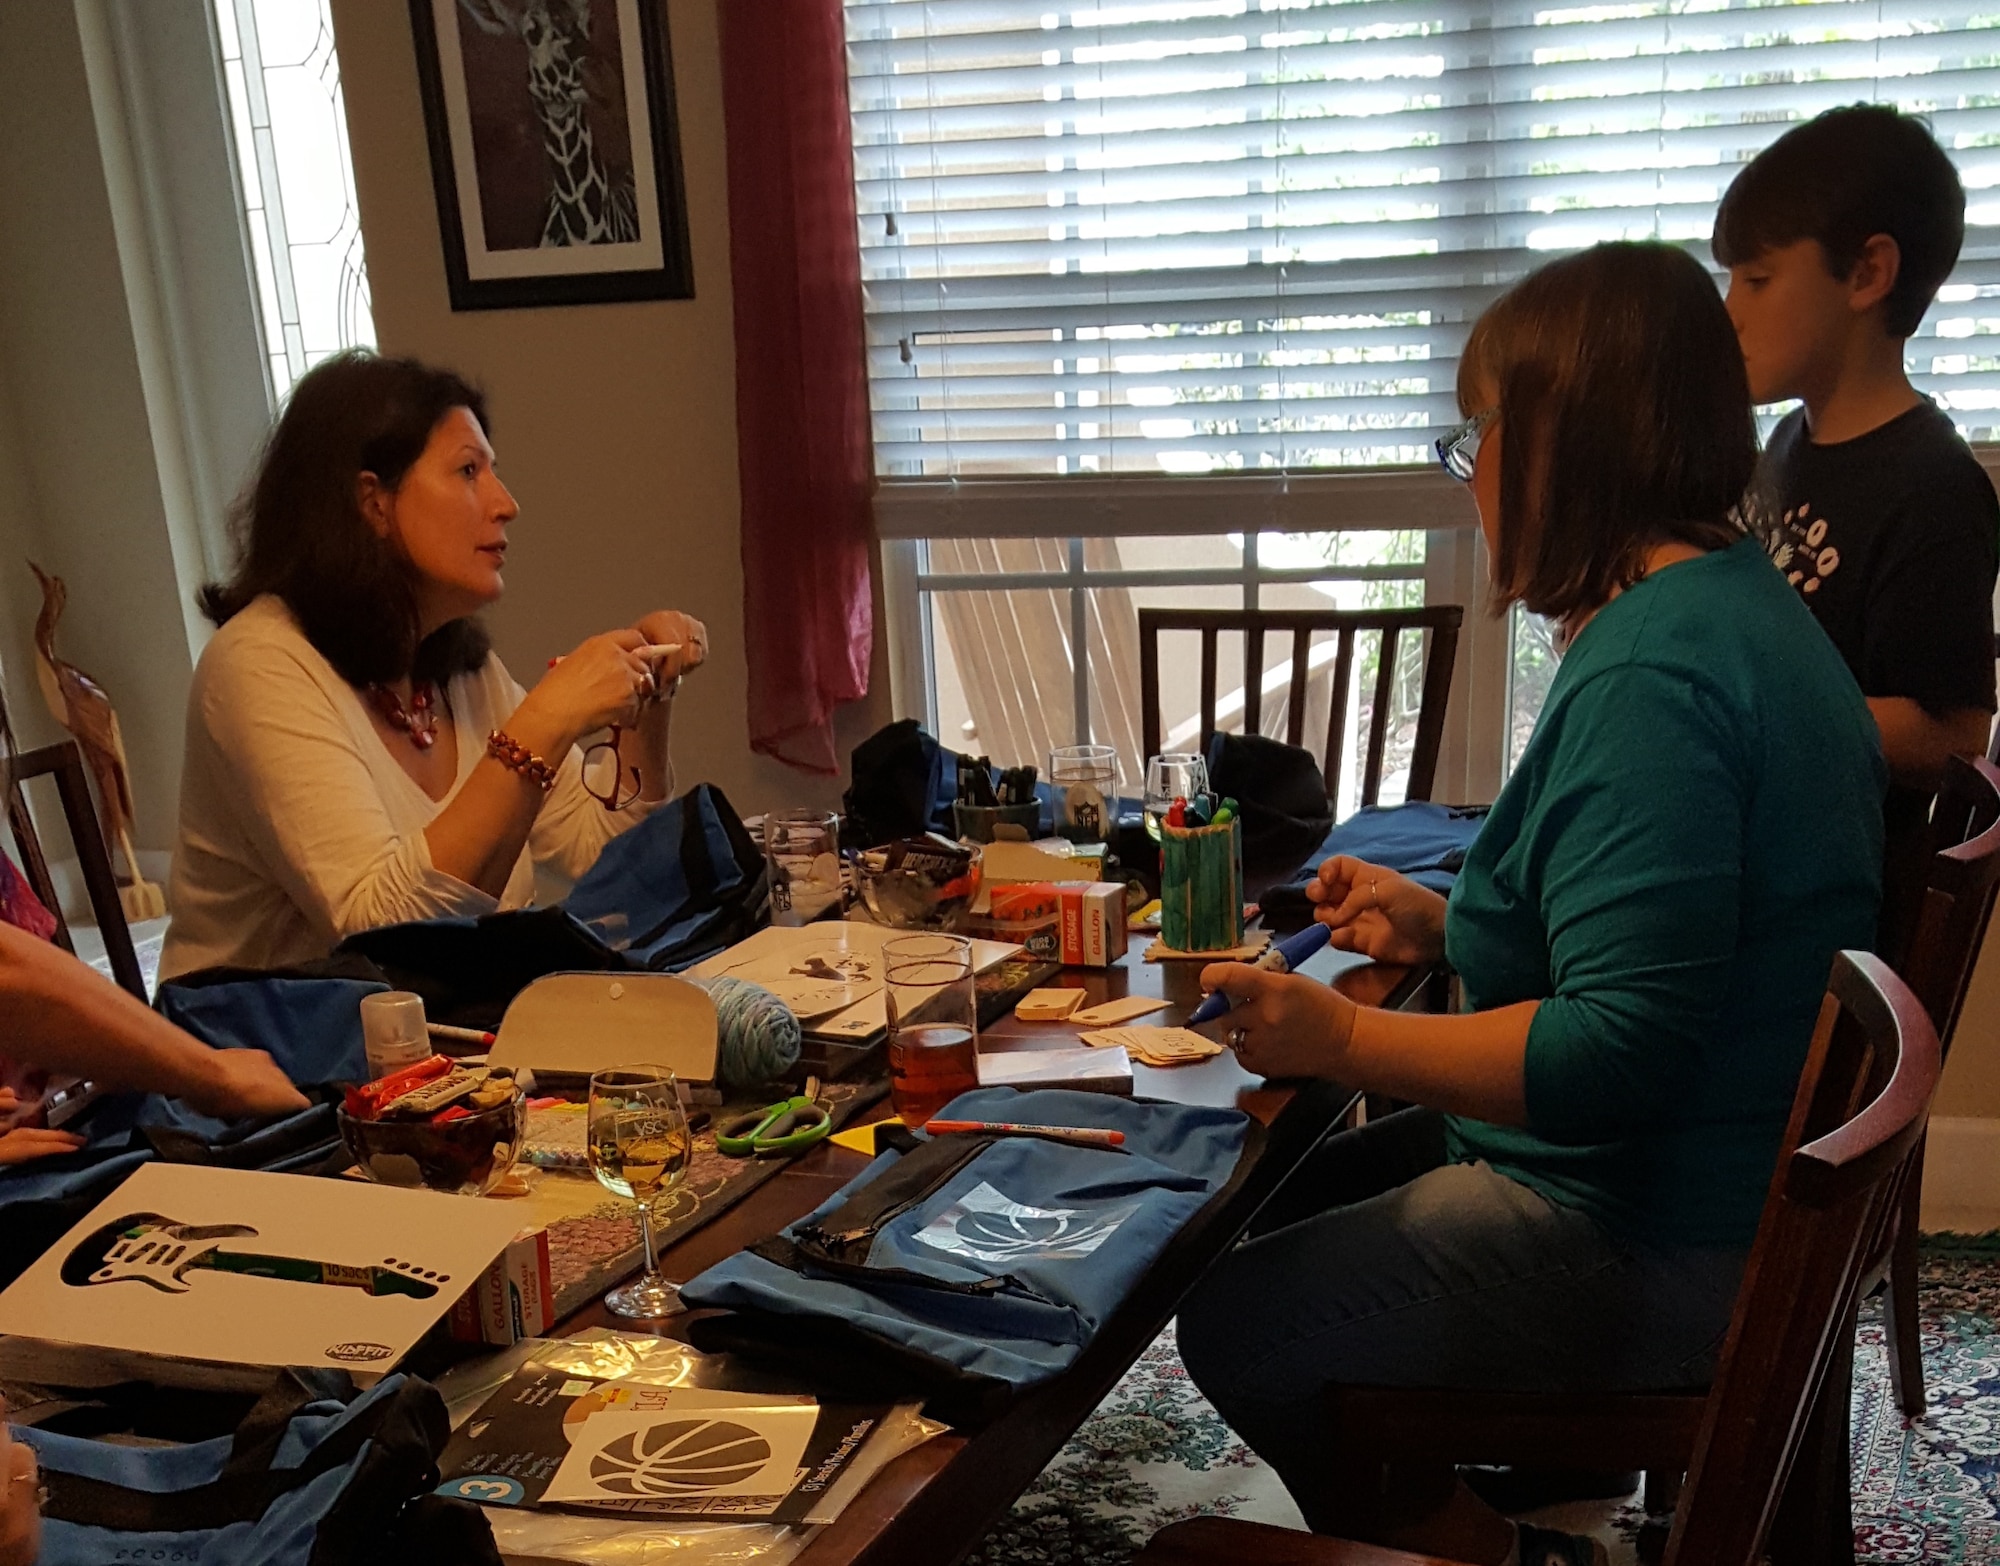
554	150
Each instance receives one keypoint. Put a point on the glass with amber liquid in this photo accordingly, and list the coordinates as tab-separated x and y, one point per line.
933	1023
639	1147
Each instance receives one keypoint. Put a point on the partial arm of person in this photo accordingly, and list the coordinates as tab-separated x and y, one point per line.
1927	639
1377	912
1916	744
1473	1063
62	1015
1636	866
574	826
651	741
478	837
20	1508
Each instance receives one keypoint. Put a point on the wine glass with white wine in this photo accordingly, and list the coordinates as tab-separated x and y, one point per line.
639	1148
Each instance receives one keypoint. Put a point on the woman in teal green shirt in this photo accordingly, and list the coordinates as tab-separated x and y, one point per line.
1643	930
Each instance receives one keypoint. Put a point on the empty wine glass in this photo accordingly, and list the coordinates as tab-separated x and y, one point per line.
639	1149
1085	779
1171	776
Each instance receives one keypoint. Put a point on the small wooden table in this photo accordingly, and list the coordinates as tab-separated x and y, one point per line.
934	1503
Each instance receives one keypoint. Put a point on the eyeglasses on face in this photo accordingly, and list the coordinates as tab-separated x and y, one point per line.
1458	447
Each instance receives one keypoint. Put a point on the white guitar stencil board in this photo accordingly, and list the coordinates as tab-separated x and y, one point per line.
162	1296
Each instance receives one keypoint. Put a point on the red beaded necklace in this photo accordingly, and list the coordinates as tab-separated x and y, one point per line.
419	720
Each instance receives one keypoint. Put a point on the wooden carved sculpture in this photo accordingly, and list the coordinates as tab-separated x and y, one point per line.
80	705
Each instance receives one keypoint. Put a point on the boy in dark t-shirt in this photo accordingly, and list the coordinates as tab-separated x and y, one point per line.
1837	237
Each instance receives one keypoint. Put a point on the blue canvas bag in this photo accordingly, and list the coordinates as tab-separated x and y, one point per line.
300	1483
969	1268
1425	841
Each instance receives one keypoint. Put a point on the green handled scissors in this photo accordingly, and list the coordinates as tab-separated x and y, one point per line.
781	1128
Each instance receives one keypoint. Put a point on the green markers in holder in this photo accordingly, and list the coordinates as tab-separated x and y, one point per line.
1201	887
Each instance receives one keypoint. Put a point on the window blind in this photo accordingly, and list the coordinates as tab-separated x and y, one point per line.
1201	237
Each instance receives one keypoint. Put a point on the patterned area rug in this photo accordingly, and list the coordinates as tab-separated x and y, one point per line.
1924	1492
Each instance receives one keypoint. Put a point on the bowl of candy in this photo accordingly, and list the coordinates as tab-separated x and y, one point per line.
437	1125
919	883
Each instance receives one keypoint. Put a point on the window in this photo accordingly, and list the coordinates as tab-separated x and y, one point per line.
297	181
1208	264
1037	600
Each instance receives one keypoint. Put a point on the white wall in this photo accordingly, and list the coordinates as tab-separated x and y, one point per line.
82	488
615	425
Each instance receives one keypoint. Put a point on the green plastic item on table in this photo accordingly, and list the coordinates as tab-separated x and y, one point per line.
782	1128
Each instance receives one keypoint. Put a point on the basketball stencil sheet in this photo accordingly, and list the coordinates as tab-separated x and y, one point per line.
552	1438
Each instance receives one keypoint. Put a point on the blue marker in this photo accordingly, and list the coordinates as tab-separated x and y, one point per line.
1283	957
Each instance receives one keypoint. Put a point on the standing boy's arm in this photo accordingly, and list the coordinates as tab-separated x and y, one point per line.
1915	743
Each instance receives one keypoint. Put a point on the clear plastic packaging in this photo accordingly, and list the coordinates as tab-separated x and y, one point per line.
525	1534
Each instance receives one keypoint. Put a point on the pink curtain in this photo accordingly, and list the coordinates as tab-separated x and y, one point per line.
801	381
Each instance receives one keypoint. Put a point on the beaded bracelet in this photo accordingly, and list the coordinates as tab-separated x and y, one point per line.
516	757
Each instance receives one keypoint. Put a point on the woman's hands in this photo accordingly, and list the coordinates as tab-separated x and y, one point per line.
602	682
1378	913
1283	1025
20	1505
606	681
671	628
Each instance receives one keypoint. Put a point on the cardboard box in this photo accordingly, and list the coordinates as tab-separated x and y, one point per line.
513	1298
1093	924
1078	924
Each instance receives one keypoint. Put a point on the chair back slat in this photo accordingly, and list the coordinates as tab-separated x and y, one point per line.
1208	638
1295	696
1336	717
1378	716
1870	1073
1253	678
63	763
1960	885
1439	660
1149	693
1437	624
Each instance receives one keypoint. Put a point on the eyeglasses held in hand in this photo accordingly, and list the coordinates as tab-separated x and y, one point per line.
1458	447
624	780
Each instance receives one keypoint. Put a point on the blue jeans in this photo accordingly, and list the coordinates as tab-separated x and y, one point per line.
1378	1263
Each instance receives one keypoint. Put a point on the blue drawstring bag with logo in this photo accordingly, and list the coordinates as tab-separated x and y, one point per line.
968	1268
303	1481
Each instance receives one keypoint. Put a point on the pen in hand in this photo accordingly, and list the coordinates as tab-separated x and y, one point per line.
1283	957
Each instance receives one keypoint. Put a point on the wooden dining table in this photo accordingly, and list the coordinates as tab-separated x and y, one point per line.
932	1504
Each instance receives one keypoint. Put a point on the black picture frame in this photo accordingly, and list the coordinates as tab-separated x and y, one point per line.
662	265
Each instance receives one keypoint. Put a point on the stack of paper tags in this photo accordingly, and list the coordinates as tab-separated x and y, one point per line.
1156	1046
1048	1005
1109	1014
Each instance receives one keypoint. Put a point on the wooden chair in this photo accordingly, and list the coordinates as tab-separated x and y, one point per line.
64	763
1937	964
1765	1449
1441	620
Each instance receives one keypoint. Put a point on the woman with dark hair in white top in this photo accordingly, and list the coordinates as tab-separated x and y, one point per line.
356	753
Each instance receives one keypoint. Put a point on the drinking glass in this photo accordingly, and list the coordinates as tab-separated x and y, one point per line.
802	848
1171	776
1085	778
933	1023
639	1147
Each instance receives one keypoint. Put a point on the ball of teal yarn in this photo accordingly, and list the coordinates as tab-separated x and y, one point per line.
757	1038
